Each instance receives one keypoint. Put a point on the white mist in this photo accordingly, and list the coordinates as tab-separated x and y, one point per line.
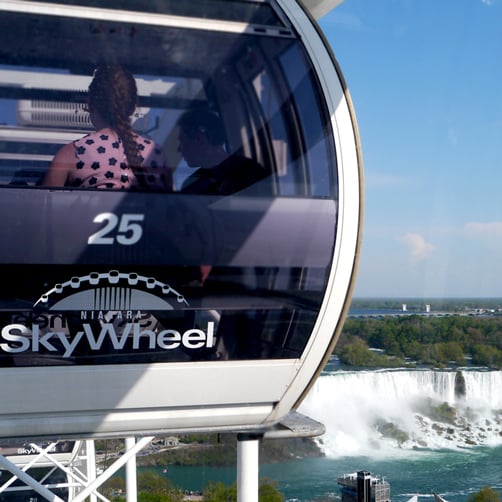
391	411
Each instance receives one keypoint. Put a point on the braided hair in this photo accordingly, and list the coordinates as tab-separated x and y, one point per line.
113	94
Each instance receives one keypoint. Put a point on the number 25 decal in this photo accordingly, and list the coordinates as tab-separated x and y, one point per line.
124	229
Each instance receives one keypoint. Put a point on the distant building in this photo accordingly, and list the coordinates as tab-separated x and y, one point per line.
363	487
170	441
427	308
404	307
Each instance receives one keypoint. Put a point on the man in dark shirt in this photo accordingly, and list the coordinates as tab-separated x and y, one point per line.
201	141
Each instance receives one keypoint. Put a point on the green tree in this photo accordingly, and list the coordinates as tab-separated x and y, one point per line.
451	351
268	492
159	487
153	497
486	494
218	492
486	355
356	353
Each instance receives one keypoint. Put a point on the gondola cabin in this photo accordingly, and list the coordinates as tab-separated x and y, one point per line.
203	290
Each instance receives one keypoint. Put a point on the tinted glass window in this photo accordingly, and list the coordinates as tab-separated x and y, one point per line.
221	263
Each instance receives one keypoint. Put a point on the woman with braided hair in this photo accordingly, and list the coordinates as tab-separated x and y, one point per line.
114	156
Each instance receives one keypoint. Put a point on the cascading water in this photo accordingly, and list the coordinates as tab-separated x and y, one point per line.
378	412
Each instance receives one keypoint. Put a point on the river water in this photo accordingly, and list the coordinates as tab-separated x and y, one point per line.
452	474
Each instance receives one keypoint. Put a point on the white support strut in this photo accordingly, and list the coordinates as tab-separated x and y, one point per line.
110	471
131	483
247	467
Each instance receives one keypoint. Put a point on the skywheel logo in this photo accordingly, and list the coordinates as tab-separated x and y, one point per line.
109	312
111	291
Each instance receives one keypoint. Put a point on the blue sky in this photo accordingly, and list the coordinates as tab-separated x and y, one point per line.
425	77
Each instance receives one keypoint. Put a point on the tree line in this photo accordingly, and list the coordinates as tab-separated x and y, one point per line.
423	340
155	488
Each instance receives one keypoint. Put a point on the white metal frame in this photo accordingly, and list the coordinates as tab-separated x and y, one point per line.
79	466
82	483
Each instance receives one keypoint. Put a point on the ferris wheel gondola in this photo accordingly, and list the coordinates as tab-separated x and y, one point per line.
107	326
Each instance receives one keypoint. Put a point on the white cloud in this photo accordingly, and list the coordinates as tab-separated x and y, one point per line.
418	247
487	2
484	230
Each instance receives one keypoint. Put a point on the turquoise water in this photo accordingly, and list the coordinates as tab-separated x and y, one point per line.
452	474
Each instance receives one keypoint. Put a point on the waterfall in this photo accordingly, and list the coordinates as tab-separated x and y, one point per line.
385	411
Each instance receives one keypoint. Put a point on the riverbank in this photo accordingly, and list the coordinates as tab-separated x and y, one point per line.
217	450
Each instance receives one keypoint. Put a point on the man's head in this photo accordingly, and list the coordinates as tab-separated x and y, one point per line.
201	134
